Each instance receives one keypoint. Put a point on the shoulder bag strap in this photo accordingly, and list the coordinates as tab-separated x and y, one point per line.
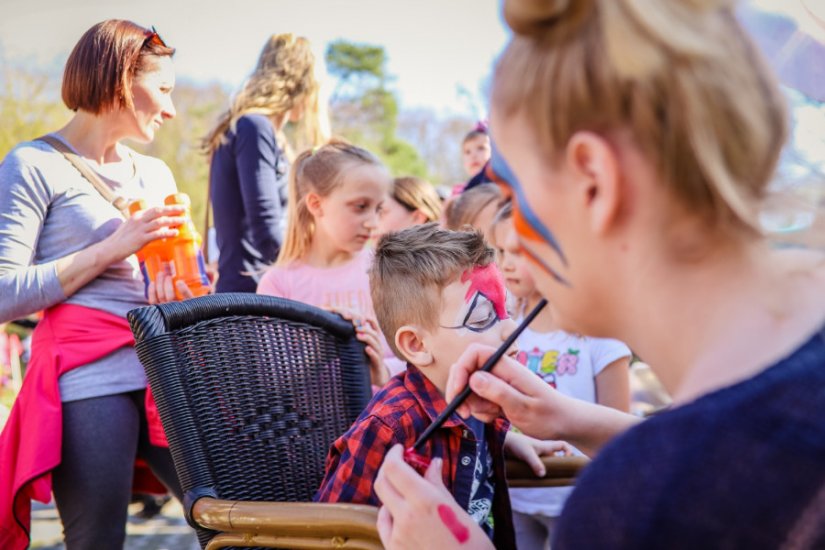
205	234
105	191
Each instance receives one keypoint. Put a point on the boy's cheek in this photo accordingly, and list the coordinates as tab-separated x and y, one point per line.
490	337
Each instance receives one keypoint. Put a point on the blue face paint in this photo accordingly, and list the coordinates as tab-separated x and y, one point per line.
501	172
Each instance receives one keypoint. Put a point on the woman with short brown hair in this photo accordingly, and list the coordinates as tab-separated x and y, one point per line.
67	248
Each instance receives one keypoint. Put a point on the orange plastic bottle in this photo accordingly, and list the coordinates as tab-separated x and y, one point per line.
185	251
179	257
152	257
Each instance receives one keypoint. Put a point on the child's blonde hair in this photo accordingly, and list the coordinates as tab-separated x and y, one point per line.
283	79
417	194
504	213
680	75
464	209
412	266
319	171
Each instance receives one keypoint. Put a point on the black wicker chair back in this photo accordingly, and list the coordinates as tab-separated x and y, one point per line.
251	391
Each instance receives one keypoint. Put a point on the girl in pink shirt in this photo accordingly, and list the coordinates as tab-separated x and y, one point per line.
334	195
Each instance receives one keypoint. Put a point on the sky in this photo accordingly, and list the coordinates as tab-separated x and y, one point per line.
435	47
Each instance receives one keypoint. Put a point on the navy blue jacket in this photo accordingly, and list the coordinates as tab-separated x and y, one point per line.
742	467
247	182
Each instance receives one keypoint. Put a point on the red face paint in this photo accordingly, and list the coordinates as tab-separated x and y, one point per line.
419	462
451	522
487	280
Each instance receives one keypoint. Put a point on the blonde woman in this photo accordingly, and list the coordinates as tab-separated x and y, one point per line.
413	201
250	159
642	136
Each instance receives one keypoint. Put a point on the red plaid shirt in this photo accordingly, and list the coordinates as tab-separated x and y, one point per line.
399	413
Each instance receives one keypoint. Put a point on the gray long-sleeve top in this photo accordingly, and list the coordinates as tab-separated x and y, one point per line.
48	211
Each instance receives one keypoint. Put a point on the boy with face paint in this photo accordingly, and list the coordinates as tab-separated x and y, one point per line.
435	292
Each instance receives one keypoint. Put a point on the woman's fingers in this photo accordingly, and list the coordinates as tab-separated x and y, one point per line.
151	293
183	290
162	289
159	211
433	473
165	222
160	233
419	512
384	525
386	484
480	408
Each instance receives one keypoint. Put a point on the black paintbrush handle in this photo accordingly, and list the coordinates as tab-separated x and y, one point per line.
488	366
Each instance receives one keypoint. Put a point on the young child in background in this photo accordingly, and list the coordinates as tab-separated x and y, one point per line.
412	201
592	369
435	292
334	195
475	207
476	150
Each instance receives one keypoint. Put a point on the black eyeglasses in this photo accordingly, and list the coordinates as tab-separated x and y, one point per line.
152	37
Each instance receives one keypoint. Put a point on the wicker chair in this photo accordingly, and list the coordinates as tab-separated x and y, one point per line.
251	391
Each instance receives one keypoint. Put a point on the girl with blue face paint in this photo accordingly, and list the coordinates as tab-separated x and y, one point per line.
640	137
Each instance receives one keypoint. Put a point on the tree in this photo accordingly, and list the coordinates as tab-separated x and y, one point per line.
30	106
438	140
364	110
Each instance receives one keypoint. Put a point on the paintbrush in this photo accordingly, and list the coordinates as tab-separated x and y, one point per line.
410	455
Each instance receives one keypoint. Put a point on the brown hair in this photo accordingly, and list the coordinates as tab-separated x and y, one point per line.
417	194
103	64
681	76
283	79
412	266
320	171
480	129
504	213
464	209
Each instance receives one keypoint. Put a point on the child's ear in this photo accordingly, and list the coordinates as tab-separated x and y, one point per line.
410	342
419	217
313	201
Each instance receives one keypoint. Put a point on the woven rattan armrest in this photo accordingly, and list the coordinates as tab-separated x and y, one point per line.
304	525
561	471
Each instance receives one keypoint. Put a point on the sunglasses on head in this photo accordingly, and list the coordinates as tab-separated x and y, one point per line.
152	37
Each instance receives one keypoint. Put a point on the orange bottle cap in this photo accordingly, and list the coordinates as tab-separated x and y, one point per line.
178	198
136	206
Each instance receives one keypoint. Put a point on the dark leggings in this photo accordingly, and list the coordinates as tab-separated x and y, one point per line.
93	483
